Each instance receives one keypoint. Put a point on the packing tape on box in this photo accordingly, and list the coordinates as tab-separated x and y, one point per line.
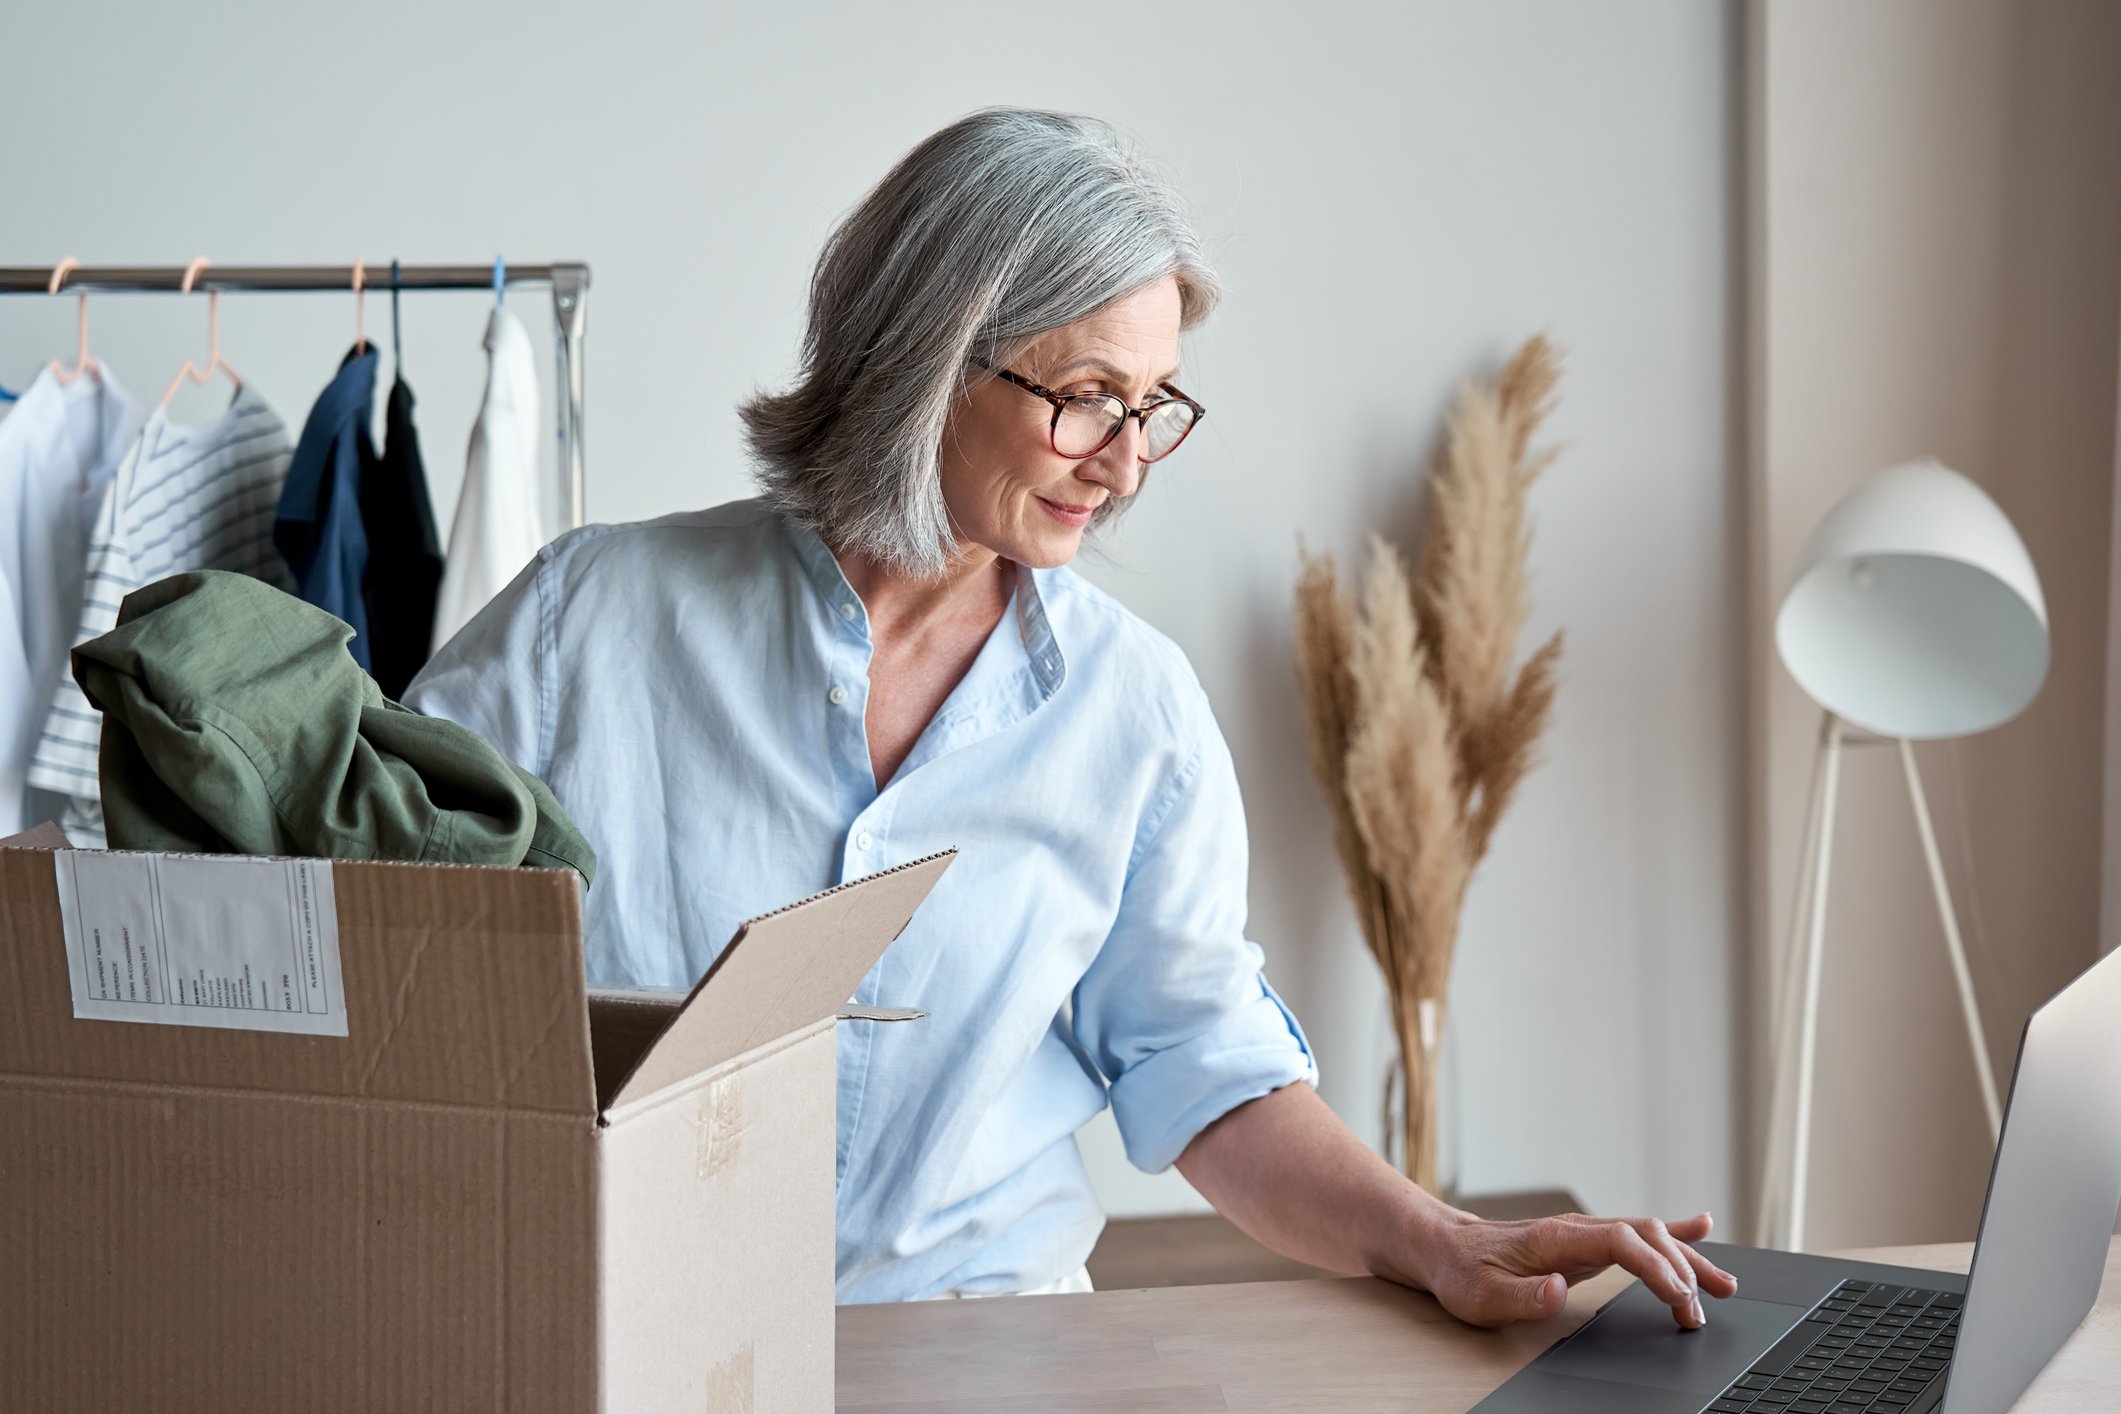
721	1125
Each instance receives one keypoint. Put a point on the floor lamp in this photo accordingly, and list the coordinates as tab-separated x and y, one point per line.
1914	615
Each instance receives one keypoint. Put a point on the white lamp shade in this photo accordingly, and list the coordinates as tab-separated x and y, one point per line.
1915	611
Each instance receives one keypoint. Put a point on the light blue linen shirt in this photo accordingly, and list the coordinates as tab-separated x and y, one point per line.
693	689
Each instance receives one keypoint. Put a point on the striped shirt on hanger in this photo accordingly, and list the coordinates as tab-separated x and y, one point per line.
185	498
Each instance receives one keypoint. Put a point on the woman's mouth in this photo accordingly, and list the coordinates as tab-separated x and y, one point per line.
1076	516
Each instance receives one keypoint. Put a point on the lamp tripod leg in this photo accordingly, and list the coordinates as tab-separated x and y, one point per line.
1969	1010
1814	954
1782	1021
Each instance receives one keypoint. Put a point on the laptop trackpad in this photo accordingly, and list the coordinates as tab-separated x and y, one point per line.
1635	1340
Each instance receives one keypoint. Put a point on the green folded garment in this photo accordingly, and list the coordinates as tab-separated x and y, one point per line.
235	722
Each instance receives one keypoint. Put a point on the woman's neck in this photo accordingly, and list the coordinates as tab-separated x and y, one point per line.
976	586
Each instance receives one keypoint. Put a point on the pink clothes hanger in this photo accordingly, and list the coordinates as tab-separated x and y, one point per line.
191	370
360	283
82	362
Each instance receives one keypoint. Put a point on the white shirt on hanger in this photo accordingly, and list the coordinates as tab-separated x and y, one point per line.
498	527
58	448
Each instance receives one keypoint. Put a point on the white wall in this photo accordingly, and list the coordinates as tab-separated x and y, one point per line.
1396	196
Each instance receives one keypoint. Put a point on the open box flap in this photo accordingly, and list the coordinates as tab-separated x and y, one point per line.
44	836
463	986
783	971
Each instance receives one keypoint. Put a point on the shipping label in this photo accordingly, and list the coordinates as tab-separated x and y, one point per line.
202	940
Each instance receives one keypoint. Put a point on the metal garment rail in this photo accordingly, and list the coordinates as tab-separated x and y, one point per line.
569	281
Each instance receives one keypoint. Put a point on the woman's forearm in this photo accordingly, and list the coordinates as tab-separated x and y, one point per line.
1288	1172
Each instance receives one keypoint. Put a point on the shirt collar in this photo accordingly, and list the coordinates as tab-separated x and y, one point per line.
342	409
1049	667
1048	664
96	416
346	400
818	563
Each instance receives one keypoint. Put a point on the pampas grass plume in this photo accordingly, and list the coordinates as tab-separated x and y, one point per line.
1420	731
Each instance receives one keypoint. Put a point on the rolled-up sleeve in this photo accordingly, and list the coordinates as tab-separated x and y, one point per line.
1175	1010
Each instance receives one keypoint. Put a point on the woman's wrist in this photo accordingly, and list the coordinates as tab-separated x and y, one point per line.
1419	1238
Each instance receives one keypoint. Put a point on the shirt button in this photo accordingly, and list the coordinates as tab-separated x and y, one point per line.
864	840
847	612
838	695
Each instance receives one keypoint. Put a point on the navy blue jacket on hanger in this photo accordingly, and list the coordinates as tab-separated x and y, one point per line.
319	526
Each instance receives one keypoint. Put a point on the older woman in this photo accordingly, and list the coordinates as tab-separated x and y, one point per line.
885	655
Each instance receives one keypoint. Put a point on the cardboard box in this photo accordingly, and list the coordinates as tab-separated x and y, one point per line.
494	1193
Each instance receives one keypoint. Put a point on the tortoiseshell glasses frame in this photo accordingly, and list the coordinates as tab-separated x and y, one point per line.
1179	414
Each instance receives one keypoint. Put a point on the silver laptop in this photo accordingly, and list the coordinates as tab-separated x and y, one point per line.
1818	1335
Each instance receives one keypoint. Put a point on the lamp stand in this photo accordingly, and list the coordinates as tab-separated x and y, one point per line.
1788	1158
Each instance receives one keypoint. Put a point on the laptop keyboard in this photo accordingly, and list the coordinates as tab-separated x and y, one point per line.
1868	1346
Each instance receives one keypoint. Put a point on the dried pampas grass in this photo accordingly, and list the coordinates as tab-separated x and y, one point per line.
1420	728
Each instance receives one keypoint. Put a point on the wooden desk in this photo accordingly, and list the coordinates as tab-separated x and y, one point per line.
1334	1346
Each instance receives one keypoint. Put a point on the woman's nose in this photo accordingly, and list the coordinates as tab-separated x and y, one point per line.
1118	467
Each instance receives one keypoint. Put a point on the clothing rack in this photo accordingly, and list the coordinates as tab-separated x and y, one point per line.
569	281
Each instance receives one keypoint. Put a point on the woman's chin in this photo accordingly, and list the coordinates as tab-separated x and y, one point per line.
1050	549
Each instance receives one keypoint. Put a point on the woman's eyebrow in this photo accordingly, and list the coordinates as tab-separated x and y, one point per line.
1111	374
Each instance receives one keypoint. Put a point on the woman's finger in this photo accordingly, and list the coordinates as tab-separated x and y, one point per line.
1710	1277
1679	1257
1619	1244
1692	1229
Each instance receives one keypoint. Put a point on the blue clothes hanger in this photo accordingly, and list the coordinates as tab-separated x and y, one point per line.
397	340
500	281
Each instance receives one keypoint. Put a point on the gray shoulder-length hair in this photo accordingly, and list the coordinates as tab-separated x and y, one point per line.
1004	225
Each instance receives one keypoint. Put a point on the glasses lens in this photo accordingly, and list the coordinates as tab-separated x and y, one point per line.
1086	424
1164	428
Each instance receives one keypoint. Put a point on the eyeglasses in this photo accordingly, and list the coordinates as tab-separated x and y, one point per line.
1084	424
